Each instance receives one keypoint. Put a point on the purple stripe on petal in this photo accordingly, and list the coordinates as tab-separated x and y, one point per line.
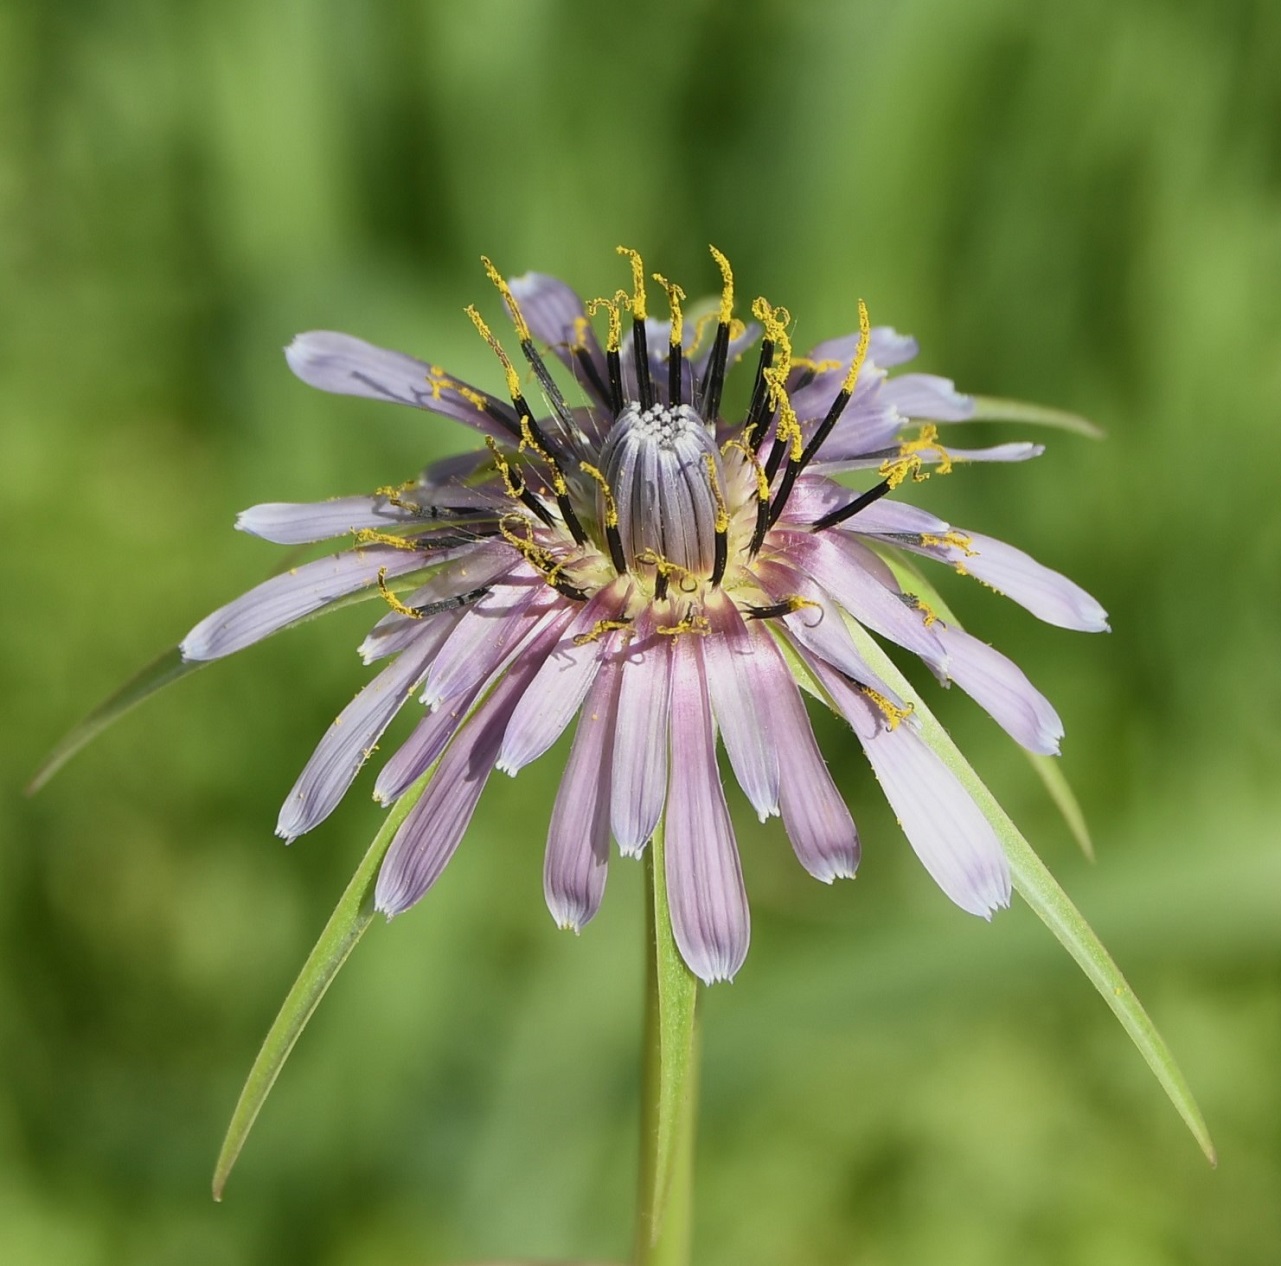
349	366
640	747
743	668
432	829
578	838
293	523
554	695
704	882
284	599
852	575
348	743
1046	594
817	820
999	687
953	839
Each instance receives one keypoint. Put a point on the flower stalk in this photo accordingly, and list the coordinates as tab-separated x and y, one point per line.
669	1098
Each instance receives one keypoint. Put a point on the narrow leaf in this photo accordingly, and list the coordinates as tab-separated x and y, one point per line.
1051	904
347	924
1048	769
990	409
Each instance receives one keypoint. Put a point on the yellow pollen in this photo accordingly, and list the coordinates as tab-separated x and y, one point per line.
372	536
440	381
864	337
797	603
614	338
788	429
928	613
816	366
908	461
775	320
512	481
692	623
958	540
762	480
581	326
518	318
674	296
392	493
722	514
527	440
665	567
513	379
892	714
611	507
394	602
638	281
599	629
727	285
530	550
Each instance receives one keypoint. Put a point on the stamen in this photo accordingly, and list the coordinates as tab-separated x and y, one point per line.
613	344
892	714
613	537
848	511
721	547
958	540
584	358
645	388
553	393
392	601
538	556
530	439
599	629
909	462
509	370
674	296
919	604
786	607
664	570
516	486
714	378
824	429
372	536
692	623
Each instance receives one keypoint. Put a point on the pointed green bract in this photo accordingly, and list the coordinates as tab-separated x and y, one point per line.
1052	906
164	671
991	409
161	672
352	915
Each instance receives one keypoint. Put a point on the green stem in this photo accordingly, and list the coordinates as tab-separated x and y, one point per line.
670	1077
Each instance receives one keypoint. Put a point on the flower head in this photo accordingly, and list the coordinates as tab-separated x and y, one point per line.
667	576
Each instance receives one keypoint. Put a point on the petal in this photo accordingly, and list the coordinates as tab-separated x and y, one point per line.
852	575
999	687
433	827
704	882
640	748
422	748
348	743
300	523
1046	594
927	396
950	835
349	366
578	839
271	606
553	697
743	668
818	822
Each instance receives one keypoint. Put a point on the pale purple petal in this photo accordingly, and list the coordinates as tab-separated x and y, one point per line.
851	574
300	523
953	839
555	694
284	599
578	839
927	396
1015	451
818	822
886	347
640	747
433	827
1000	688
704	882
351	367
743	669
1046	594
348	743
422	748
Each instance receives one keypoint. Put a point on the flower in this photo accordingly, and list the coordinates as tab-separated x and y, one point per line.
667	576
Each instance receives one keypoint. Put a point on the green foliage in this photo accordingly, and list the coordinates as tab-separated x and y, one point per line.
1075	204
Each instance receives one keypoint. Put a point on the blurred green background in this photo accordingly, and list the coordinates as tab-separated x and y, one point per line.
1076	203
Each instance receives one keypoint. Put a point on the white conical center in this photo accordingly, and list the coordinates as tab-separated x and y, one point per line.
656	465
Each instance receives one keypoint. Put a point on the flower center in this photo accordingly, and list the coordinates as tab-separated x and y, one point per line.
660	464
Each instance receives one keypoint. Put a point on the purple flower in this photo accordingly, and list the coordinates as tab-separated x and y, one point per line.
666	575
